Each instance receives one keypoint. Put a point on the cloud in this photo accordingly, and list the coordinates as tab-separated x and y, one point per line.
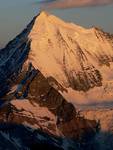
63	4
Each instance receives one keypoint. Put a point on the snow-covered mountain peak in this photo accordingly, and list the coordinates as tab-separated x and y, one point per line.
48	20
66	54
73	56
43	15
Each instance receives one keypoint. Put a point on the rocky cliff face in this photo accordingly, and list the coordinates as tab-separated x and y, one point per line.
35	103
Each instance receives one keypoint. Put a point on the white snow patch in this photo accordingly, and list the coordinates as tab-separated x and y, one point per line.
32	108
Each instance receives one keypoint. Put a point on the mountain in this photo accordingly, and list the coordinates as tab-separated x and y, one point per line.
50	71
76	61
79	59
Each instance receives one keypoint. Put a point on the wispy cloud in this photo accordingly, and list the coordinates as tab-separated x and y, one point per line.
63	4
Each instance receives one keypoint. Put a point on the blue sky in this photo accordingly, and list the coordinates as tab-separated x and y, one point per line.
15	14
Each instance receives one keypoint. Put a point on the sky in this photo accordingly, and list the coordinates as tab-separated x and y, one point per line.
16	14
